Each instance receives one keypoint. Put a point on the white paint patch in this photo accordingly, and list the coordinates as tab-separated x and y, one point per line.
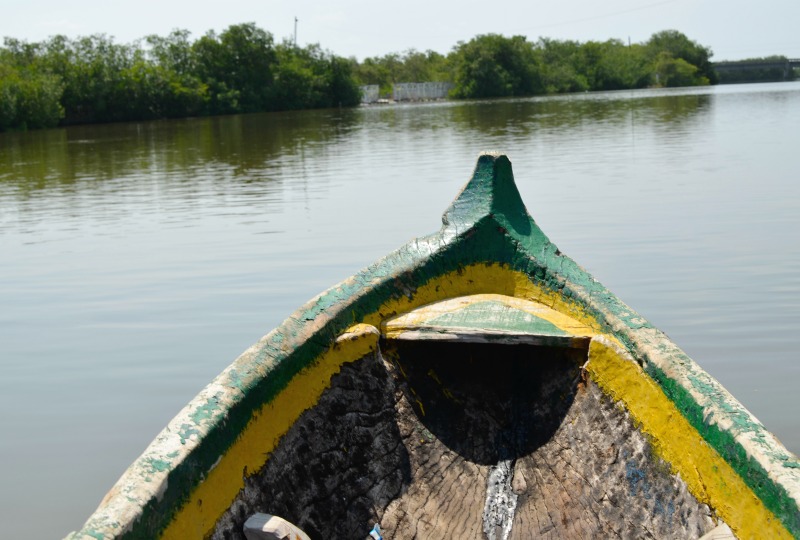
501	501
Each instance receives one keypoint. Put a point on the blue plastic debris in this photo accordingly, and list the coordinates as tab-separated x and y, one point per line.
376	532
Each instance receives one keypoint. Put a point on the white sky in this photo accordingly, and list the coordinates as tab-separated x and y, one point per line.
734	29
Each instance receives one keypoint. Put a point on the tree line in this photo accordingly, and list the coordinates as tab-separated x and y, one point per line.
493	65
64	81
93	79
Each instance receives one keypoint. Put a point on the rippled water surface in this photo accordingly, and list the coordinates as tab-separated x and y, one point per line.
138	260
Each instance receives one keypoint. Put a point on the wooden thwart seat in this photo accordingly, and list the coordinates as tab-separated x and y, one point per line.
489	318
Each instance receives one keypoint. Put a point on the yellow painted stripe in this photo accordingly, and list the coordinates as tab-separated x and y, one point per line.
196	519
707	475
485	279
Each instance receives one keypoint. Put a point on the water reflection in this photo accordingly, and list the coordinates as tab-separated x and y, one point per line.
523	117
252	148
247	144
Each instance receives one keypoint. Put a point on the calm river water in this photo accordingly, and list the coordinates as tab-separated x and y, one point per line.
138	260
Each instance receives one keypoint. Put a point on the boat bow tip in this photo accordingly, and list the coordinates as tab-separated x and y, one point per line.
491	192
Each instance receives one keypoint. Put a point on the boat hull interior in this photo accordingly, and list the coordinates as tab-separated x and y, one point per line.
463	440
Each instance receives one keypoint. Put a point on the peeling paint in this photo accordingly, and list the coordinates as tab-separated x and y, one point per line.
188	432
157	465
206	412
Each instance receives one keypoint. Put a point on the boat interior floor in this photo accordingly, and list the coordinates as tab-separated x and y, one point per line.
440	439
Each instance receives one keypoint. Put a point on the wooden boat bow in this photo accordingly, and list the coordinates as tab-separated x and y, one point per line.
334	419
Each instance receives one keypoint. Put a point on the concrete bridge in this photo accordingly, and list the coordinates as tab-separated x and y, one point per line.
786	66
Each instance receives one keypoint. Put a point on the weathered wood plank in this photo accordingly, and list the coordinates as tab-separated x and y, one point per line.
411	440
489	318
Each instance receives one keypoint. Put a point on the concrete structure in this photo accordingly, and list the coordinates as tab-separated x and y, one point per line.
421	91
370	93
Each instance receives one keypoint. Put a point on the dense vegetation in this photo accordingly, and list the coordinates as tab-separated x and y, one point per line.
93	79
492	65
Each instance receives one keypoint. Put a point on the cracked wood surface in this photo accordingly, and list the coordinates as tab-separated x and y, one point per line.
413	437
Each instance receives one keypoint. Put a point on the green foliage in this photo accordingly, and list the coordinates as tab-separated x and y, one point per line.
238	66
428	66
681	47
173	52
485	65
492	65
94	79
92	69
175	65
495	66
343	90
311	78
564	68
671	72
612	65
104	81
28	98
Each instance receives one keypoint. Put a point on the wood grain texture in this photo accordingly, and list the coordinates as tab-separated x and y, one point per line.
416	437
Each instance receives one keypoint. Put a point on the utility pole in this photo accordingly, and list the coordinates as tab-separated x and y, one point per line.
295	32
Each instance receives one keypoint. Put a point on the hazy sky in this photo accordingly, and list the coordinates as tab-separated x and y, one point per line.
733	29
